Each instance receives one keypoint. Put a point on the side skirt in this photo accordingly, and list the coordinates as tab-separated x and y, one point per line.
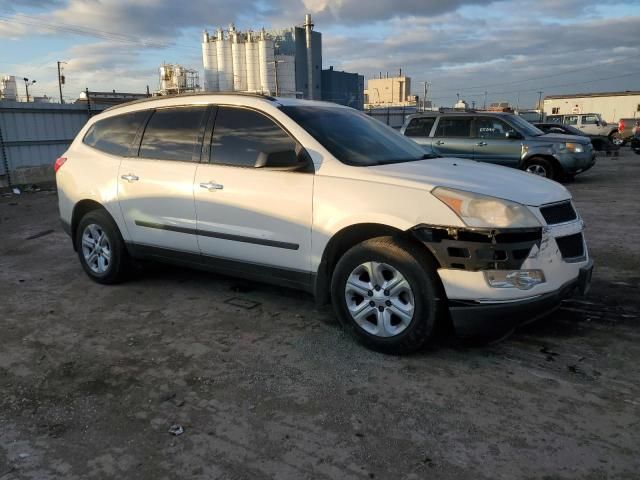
296	279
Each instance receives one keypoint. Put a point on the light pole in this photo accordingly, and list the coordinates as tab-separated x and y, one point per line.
424	98
540	106
60	80
26	86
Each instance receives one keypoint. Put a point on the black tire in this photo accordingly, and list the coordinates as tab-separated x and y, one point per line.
617	139
538	165
417	268
118	265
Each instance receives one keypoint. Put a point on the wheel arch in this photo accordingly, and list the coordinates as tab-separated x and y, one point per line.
80	209
342	241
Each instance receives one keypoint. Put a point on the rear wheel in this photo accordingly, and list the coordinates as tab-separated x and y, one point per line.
541	167
616	139
386	294
101	250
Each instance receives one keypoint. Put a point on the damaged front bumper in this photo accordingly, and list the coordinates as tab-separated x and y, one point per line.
465	255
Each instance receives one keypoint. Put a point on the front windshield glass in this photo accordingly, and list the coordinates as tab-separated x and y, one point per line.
355	138
525	127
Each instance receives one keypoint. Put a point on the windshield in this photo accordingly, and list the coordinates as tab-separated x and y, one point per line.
353	137
525	127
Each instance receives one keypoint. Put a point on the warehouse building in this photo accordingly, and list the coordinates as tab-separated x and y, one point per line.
389	91
612	106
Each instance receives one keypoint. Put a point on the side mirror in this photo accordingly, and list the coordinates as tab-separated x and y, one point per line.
513	135
285	160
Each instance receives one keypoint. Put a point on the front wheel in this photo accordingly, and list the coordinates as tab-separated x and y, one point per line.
101	250
541	167
386	293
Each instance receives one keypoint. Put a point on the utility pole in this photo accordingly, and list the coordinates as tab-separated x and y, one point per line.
60	81
275	70
484	106
540	106
86	91
26	86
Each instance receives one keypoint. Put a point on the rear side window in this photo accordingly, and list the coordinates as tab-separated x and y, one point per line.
454	127
488	127
241	134
115	135
420	127
174	134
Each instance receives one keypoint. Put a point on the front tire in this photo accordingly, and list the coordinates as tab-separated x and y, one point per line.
386	293
541	167
101	249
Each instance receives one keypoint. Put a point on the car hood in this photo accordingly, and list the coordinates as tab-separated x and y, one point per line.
472	176
561	137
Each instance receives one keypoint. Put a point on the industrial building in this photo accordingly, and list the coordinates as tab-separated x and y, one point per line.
343	88
9	88
107	99
175	79
389	91
612	106
286	62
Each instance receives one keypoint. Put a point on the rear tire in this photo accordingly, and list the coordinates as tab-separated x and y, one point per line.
101	249
616	139
387	295
541	167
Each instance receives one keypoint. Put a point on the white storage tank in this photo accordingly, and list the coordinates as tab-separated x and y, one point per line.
253	67
9	90
267	64
210	63
225	62
239	60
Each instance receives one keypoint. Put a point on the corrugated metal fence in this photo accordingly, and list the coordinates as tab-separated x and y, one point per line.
35	134
392	116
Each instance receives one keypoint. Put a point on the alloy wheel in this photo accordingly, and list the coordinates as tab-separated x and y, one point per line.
96	248
537	169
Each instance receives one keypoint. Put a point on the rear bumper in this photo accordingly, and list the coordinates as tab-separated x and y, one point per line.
475	319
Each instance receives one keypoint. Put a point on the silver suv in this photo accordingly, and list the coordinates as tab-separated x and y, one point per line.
503	139
590	124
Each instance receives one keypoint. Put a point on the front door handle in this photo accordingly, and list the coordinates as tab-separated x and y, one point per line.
211	186
439	142
130	177
481	144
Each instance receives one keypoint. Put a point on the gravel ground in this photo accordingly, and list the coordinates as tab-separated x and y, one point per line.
266	385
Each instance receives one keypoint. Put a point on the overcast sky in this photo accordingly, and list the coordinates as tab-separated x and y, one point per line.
511	49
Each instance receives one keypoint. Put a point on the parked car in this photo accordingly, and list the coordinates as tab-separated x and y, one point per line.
628	127
635	142
589	123
501	138
323	198
600	143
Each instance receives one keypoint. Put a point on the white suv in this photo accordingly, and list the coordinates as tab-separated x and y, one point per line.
320	197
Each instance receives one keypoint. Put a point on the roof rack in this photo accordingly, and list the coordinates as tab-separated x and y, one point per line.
192	94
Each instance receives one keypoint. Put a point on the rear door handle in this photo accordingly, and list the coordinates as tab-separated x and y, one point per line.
211	186
130	178
439	142
481	144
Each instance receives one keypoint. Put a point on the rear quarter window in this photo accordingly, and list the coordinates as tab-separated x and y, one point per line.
115	135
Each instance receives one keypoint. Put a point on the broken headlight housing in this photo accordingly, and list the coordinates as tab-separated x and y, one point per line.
483	211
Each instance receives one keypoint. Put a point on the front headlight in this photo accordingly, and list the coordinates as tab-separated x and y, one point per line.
574	147
477	210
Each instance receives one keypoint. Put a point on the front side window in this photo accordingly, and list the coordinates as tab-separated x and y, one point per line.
355	138
488	127
454	127
115	135
240	135
554	119
420	127
571	120
174	134
589	120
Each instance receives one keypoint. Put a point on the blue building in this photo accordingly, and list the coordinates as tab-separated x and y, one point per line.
343	88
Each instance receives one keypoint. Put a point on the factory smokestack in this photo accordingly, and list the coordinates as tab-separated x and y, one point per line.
308	27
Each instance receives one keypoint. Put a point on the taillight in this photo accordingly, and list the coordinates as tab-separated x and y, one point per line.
59	162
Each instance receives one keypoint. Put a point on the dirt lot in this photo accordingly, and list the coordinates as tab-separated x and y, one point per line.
93	377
